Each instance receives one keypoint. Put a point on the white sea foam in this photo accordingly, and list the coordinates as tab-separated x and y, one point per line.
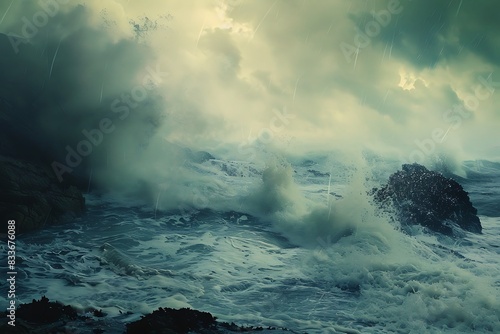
301	258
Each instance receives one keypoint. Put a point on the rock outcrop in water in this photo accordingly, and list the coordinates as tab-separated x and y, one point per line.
30	192
31	195
424	197
43	316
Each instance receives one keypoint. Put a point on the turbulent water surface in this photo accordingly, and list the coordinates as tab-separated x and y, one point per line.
227	149
300	259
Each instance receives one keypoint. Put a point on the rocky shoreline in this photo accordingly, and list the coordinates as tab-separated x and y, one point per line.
32	196
44	316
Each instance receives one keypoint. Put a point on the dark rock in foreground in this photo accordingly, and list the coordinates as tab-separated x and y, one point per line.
424	197
183	321
44	316
44	311
174	321
31	195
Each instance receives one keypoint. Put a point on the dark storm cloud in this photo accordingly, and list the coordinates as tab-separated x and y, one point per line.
62	75
479	27
231	66
428	32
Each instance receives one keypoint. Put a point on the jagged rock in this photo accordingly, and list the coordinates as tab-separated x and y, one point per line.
167	320
43	316
44	311
31	195
185	320
424	197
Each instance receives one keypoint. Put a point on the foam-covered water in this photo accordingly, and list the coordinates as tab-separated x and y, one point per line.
302	248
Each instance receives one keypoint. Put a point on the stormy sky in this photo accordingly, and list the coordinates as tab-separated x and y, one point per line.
409	79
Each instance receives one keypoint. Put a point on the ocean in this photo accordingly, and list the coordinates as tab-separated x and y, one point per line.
295	244
226	151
